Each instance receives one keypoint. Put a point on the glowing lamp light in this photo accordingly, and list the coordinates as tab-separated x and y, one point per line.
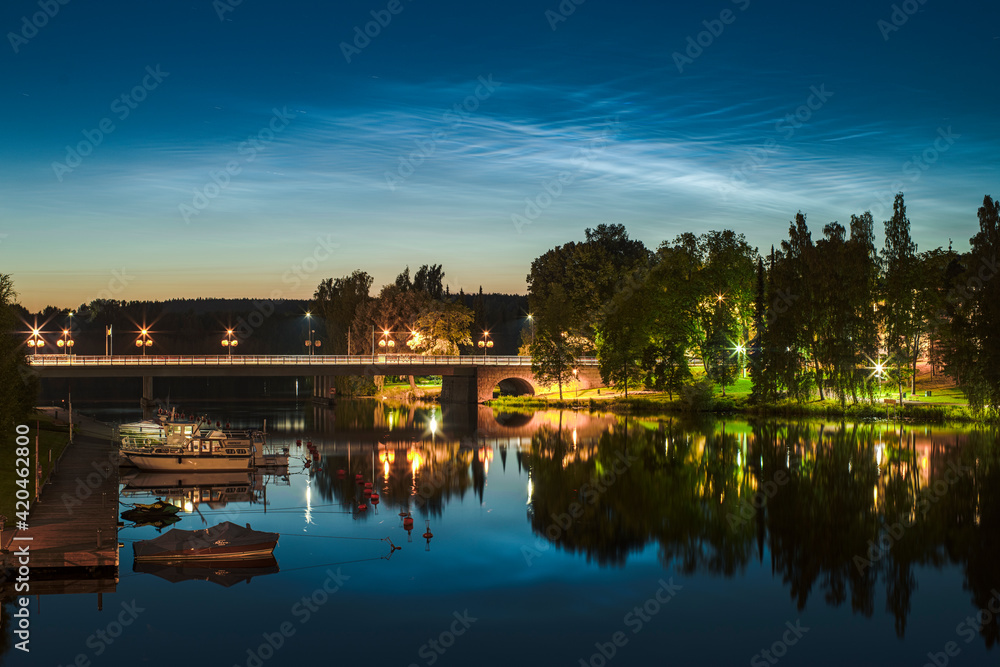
138	343
149	342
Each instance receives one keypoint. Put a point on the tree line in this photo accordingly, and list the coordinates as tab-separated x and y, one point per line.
836	317
417	314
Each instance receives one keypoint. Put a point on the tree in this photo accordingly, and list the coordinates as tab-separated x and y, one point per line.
430	279
441	329
552	353
862	257
974	302
789	333
18	385
726	280
761	390
621	338
338	301
588	275
899	309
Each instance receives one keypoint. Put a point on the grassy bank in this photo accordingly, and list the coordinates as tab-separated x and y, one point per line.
946	402
653	403
52	437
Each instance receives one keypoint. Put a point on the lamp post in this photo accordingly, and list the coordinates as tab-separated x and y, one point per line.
309	342
65	342
35	341
386	343
576	372
531	318
229	342
144	340
486	343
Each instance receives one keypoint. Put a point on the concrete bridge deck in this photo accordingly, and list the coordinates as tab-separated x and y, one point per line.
467	379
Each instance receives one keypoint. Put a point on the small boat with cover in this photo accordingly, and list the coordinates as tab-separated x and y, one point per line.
226	541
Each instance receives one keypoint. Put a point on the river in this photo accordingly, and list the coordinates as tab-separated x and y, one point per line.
564	538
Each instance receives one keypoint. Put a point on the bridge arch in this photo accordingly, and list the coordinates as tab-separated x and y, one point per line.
515	386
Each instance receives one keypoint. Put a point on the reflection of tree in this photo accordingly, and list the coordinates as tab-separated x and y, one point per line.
976	526
565	477
842	509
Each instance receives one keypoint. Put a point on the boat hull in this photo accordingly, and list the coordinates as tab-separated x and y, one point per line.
187	463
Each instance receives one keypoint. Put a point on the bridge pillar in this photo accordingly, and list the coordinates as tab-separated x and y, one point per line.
146	401
460	387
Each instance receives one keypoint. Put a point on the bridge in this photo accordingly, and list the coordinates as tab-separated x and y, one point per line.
465	379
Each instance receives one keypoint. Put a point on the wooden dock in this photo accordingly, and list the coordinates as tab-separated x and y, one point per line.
73	526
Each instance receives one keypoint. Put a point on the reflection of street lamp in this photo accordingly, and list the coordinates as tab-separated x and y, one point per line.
144	340
229	343
485	343
65	342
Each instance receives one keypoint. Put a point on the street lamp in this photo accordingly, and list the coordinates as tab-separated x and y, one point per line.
144	340
576	372
485	343
35	341
65	342
229	342
385	343
531	318
741	350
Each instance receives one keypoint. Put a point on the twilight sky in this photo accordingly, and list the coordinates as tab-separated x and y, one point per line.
180	149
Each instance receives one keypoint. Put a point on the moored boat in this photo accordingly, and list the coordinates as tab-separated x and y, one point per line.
214	451
226	541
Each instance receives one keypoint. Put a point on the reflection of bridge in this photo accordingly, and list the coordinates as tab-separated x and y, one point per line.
466	379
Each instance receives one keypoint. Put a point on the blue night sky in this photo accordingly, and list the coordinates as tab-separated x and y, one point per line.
372	155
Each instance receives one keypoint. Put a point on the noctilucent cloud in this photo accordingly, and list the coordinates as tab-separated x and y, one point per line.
234	148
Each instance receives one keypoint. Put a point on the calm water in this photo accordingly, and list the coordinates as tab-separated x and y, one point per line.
561	538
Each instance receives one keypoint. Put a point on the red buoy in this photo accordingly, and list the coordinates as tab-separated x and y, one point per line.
362	506
298	442
374	499
408	523
341	474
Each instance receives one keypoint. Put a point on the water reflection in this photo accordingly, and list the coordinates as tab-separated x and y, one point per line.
842	511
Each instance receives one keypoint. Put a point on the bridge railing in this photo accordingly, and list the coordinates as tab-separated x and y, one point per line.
49	360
